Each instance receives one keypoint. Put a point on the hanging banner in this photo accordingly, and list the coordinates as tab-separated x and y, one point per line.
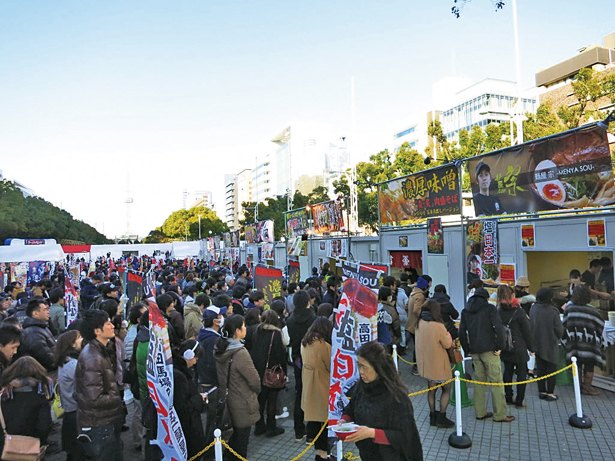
264	232
74	272
367	276
269	281
403	259
355	324
160	387
235	239
36	272
226	237
297	223
508	274
250	232
71	301
596	233
134	287
327	217
294	246
268	251
293	271
435	236
567	171
217	242
337	248
412	198
527	236
482	250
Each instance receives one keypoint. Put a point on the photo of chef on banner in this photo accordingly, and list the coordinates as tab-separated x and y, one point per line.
485	204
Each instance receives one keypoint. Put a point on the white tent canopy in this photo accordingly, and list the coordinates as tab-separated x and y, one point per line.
16	254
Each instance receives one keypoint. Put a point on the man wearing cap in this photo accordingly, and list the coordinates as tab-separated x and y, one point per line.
5	304
522	293
484	203
213	320
108	291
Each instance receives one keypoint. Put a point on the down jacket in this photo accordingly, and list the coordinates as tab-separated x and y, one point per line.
244	384
97	393
38	342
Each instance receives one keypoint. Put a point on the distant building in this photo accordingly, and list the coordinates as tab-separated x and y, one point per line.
203	198
237	189
555	81
488	101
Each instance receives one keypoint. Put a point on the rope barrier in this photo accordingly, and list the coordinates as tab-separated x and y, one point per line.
527	381
311	444
405	361
423	391
200	453
233	452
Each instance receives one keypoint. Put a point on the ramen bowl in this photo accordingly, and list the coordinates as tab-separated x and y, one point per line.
344	430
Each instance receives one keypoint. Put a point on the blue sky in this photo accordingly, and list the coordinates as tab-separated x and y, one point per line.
173	95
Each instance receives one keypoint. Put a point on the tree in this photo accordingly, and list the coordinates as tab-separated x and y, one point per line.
459	5
184	224
587	88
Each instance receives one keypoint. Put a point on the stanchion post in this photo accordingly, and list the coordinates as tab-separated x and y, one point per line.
458	439
578	419
395	357
218	444
340	450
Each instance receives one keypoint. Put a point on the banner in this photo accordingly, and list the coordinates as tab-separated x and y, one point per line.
435	236
528	239
411	199
268	251
294	246
482	250
149	284
134	287
160	387
71	301
508	274
226	237
217	241
36	272
235	239
269	281
596	232
250	232
264	232
297	223
567	171
293	271
367	276
327	217
337	248
355	324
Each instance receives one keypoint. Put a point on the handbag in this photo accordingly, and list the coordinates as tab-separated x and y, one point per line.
274	377
223	414
454	355
56	404
20	447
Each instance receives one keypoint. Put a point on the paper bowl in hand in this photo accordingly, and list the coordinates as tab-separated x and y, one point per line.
343	430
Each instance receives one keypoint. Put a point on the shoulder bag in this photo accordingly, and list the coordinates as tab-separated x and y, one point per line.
20	447
274	377
223	414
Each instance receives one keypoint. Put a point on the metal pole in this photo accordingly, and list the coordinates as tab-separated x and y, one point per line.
218	445
518	108
578	419
458	439
340	450
199	227
395	357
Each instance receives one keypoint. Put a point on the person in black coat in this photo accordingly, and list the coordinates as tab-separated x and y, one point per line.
25	400
449	313
547	331
38	340
515	360
268	351
186	398
298	324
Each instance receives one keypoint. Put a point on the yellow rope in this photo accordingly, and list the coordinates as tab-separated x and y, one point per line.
423	391
311	444
200	453
241	458
405	361
527	381
349	456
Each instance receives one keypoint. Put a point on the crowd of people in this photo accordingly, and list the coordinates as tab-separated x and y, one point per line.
226	342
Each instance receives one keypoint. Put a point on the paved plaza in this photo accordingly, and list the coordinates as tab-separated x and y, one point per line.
540	432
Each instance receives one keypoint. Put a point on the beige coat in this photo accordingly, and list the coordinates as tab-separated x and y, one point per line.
315	376
432	340
415	303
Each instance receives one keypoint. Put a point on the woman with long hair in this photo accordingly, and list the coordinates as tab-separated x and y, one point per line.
67	351
583	326
380	405
268	350
515	360
25	399
316	357
432	341
237	374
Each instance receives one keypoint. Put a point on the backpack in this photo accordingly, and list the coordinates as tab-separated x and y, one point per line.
508	338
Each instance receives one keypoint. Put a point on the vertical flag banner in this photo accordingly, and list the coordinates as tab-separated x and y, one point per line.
367	276
482	250
20	273
293	271
356	320
250	232
71	301
134	284
160	387
269	281
596	233
149	284
435	236
36	271
528	239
